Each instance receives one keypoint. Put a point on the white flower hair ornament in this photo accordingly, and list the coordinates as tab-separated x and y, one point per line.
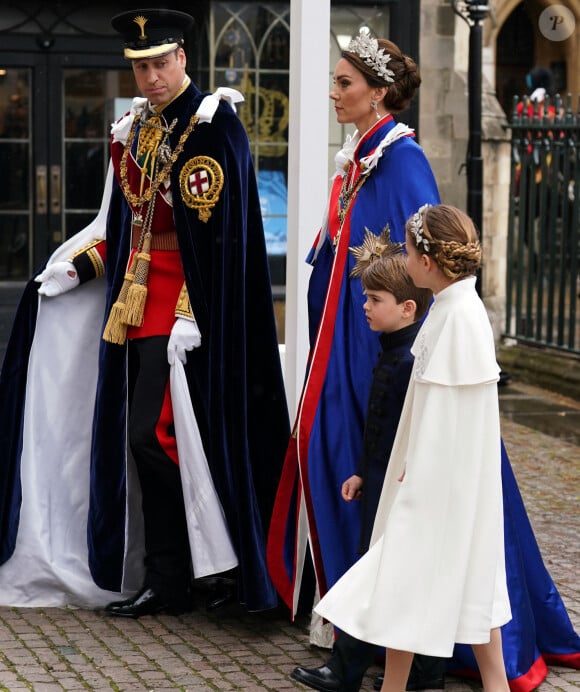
368	50
416	228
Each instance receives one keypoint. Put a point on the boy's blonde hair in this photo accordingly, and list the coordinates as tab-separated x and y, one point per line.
390	274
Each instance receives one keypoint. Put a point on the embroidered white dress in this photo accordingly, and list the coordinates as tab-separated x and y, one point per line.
435	572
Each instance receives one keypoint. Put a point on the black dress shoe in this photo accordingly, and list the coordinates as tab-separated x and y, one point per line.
146	602
220	598
415	683
322	678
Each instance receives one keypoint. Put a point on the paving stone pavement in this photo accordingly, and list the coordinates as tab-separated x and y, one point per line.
50	649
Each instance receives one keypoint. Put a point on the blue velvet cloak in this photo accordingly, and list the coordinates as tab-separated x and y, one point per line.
235	376
327	438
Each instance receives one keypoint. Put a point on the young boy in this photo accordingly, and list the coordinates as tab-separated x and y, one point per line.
394	306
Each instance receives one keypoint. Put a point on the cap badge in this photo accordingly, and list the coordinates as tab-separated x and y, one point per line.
201	181
141	21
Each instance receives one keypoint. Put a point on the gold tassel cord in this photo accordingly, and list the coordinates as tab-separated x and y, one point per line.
134	312
129	308
115	330
137	294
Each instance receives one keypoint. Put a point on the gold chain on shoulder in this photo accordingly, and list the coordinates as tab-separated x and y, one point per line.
140	200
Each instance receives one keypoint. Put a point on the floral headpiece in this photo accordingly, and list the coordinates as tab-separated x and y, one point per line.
373	247
416	228
368	50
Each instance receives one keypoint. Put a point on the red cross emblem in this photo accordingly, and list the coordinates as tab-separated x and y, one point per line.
198	182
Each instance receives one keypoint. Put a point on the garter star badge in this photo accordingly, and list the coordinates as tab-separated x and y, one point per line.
201	181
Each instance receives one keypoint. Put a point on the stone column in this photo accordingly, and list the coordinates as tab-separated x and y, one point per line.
443	60
307	173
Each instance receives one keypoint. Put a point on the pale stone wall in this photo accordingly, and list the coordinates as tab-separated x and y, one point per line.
496	183
444	132
443	101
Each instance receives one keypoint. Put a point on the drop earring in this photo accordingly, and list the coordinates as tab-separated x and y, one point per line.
374	106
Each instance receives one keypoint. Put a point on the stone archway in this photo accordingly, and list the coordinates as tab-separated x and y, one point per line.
514	56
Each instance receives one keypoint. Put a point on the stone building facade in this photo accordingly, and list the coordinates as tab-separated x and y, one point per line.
443	123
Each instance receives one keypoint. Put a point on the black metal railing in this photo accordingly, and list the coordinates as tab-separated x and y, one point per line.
543	287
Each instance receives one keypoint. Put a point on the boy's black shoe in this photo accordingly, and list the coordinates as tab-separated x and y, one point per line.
322	678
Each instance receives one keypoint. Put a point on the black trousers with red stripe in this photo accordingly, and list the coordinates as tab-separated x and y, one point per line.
167	554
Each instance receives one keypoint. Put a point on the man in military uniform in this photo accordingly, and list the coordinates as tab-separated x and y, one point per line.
187	291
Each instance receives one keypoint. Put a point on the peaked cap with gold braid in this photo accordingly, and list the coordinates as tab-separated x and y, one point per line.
151	33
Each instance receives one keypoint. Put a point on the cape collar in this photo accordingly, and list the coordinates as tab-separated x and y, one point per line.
455	289
368	149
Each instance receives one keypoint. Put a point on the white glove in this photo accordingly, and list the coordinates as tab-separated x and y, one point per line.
58	278
185	336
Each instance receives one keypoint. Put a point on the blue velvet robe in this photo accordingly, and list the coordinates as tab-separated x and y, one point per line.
327	438
400	184
235	377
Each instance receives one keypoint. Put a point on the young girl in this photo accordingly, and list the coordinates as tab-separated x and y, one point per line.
435	572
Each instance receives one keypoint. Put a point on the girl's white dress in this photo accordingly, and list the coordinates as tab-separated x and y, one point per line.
435	572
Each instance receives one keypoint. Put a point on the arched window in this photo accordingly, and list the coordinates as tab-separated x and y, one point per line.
249	50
